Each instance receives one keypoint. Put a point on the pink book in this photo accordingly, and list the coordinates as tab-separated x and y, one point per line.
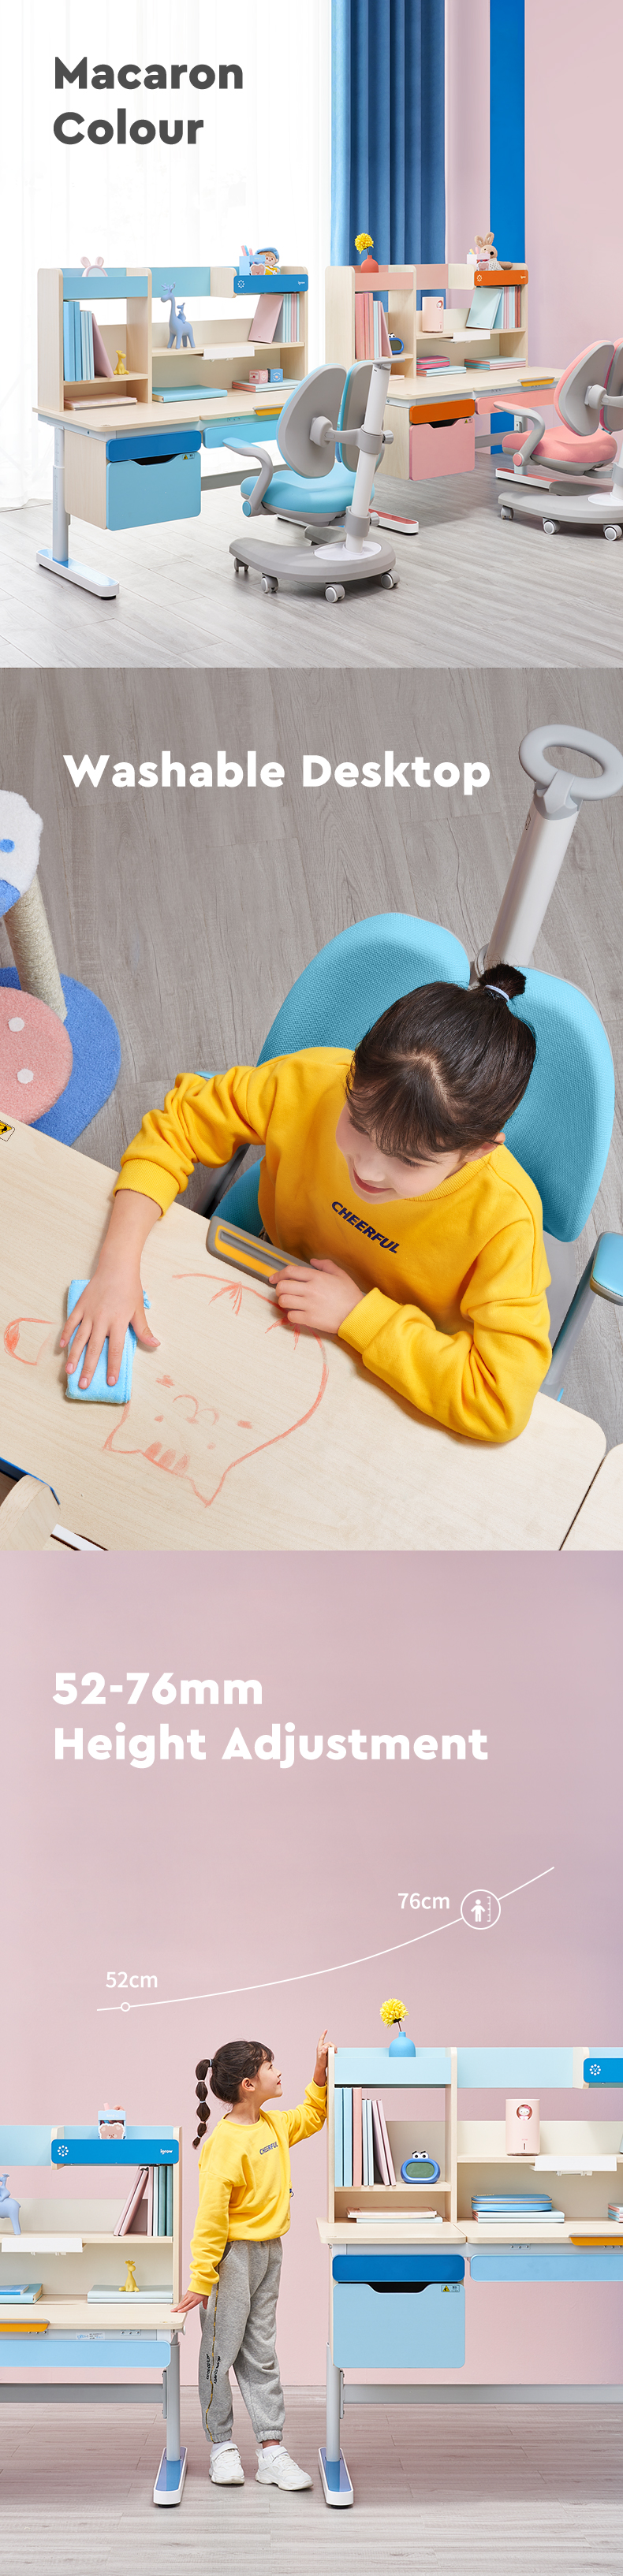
125	2221
266	316
101	360
391	2170
357	2138
379	2143
385	347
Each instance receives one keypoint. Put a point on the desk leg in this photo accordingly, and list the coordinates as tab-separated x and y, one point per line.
57	558
172	2470
336	2483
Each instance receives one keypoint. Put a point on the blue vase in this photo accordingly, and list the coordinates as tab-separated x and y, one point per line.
400	2046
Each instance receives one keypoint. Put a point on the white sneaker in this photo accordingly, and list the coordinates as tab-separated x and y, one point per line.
276	2469
226	2468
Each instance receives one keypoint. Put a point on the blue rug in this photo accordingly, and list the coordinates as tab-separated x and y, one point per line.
95	1069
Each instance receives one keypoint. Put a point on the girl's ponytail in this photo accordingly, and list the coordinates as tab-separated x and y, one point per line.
201	2090
237	2063
507	982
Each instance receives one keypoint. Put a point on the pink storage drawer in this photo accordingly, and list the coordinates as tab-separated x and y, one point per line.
440	447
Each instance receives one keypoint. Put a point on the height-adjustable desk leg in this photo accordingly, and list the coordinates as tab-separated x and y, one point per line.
57	558
336	2483
172	2470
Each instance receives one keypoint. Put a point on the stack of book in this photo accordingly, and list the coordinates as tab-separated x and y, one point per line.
371	332
148	2210
429	365
493	2208
21	2293
78	356
615	2210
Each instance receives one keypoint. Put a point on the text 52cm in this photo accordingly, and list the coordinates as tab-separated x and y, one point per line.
119	1977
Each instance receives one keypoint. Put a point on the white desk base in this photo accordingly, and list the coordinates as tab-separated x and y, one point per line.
80	574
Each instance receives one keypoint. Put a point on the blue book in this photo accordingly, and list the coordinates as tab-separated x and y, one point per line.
76	339
22	2292
190	393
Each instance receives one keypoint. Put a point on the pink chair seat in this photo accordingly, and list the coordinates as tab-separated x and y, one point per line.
562	447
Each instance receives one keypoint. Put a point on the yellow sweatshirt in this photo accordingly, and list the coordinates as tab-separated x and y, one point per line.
454	1313
244	2180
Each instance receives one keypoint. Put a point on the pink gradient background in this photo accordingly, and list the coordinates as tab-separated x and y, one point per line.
574	73
218	1877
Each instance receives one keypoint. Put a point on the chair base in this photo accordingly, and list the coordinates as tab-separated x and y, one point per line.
586	507
331	568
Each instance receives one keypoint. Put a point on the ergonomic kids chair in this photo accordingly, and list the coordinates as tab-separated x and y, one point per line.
312	426
577	463
561	1131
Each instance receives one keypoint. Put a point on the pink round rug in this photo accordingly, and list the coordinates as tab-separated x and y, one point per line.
35	1056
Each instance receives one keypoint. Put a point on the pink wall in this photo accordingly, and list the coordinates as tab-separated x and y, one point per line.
238	1876
467	124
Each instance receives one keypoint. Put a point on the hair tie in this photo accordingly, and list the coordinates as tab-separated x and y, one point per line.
497	988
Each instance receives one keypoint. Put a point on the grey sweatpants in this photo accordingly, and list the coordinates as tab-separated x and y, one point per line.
239	2333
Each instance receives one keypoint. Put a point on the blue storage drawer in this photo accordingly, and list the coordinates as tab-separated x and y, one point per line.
215	432
142	490
571	2264
398	2312
85	2352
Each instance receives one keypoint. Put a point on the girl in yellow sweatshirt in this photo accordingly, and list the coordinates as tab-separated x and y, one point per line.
415	1236
244	2210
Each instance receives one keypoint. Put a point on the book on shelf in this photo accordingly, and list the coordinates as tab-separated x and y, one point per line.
357	2137
189	393
371	332
496	307
135	2194
363	2153
102	364
105	2294
263	324
151	2193
395	2217
122	402
379	2144
21	2293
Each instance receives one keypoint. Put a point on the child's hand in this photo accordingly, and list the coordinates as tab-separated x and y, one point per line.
190	2299
322	2052
317	1298
113	1298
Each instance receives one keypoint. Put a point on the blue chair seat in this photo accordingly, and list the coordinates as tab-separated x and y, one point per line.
311	500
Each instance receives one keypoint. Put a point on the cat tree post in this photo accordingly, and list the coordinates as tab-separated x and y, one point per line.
22	905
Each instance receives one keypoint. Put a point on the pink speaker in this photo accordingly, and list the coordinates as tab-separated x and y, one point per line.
523	2126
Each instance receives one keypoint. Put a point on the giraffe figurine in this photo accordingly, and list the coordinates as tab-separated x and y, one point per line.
180	331
130	2282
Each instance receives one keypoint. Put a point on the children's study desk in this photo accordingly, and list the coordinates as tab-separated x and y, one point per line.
397	2292
70	2244
240	1433
492	388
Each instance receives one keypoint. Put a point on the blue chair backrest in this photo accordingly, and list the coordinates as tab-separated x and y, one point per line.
560	1134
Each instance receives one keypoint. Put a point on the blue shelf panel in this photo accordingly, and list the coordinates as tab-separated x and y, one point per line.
98	289
277	284
570	2264
516	2070
187	281
374	2066
602	2069
138	2147
23	2144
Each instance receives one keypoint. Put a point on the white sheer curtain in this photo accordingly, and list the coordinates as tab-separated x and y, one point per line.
259	172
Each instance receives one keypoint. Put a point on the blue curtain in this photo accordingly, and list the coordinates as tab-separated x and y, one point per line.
387	129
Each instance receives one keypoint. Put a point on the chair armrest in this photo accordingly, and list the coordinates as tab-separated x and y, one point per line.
523	454
602	1277
260	457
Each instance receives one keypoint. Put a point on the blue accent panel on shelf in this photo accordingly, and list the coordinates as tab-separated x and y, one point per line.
187	281
23	2144
507	116
138	2147
410	2326
423	2266
603	2069
143	492
279	283
92	2351
570	2264
98	289
516	2070
374	2066
97	1058
153	442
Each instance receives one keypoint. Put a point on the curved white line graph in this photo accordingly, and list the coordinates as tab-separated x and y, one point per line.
305	1976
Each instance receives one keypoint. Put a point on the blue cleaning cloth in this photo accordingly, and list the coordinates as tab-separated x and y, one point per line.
98	1392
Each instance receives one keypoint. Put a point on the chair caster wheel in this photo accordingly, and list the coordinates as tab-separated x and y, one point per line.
268	583
335	592
612	533
551	527
389	581
504	513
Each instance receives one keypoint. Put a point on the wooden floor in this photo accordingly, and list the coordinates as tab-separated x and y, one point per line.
472	590
437	2490
191	914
